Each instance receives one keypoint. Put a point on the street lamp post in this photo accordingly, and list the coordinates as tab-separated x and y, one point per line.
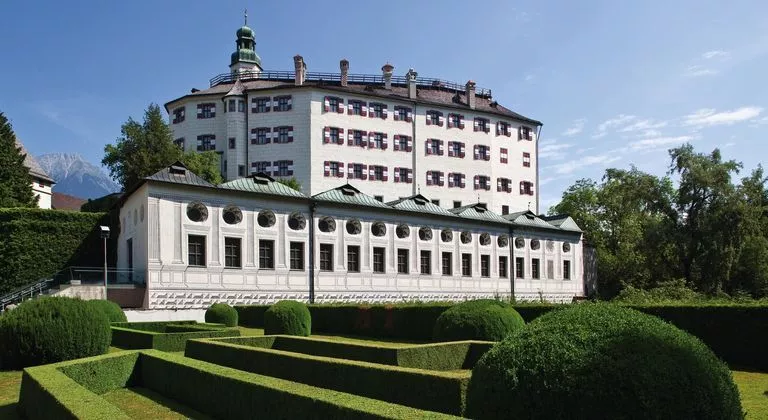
105	235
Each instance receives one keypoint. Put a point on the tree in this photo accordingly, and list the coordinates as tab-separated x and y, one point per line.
147	147
291	182
15	181
204	164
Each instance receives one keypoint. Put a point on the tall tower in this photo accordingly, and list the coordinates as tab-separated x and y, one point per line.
245	57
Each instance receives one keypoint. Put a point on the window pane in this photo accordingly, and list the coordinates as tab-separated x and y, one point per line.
447	264
402	261
378	260
353	258
426	262
466	265
297	255
266	254
326	257
196	250
232	252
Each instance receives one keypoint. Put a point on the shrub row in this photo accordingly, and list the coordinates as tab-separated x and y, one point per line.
66	391
151	326
482	319
437	356
24	258
736	333
427	390
113	311
170	337
221	313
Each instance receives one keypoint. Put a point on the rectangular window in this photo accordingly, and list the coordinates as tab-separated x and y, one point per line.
283	103
525	133
426	262
402	114
454	120
378	141
504	209
485	265
433	177
357	107
179	142
231	105
206	142
378	110
526	159
433	147
378	260
456	180
266	254
326	257
482	152
232	252
240	106
297	255
402	174
353	259
264	167
232	142
334	134
526	188
436	202
196	250
260	105
178	115
206	111
357	171
379	198
378	173
334	169
566	270
535	268
519	267
260	135
283	168
456	204
402	143
455	149
333	104
433	118
240	170
503	184
447	264
482	124
284	134
402	261
466	265
503	129
503	267
358	137
483	182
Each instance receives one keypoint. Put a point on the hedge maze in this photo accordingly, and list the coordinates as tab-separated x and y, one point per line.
165	336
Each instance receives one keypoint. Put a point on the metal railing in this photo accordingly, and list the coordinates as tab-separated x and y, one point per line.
26	292
335	78
95	276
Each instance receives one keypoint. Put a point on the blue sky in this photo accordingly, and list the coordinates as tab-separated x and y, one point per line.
615	82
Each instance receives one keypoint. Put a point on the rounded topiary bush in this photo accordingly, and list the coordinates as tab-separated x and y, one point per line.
288	317
113	311
483	319
221	313
600	361
52	329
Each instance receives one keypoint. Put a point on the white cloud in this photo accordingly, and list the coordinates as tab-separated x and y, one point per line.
729	144
529	77
697	71
553	151
715	54
759	122
709	117
655	142
576	128
648	124
572	166
651	133
617	121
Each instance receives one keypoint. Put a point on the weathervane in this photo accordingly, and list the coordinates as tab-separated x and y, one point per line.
245	13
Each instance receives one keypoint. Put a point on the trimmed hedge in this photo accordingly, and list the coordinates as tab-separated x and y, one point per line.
67	391
483	319
70	238
221	313
111	309
165	336
427	390
288	317
735	332
52	329
601	361
438	356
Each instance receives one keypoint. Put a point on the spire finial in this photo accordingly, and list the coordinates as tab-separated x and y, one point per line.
245	13
529	206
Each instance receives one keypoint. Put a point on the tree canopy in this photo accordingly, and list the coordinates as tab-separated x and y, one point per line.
703	228
15	181
147	147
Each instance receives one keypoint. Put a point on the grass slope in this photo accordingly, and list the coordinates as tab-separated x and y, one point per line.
142	403
753	387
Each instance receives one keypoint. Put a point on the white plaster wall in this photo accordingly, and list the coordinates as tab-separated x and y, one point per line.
136	215
43	191
556	285
159	315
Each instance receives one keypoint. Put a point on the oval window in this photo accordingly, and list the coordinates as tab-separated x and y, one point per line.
379	229
297	221
326	224
403	231
446	235
266	218
232	215
466	237
353	227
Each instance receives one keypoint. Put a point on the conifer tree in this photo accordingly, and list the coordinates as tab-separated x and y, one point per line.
15	181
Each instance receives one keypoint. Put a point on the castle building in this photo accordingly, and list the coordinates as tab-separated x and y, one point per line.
396	136
253	240
42	184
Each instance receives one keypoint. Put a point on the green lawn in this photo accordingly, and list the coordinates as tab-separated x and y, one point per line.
142	403
753	387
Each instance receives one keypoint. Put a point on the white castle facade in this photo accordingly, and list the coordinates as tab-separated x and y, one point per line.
412	189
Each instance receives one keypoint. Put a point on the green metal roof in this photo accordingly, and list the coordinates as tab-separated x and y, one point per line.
347	194
420	204
563	221
179	174
263	184
477	212
530	219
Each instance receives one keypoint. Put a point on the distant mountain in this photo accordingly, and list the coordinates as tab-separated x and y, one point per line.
76	176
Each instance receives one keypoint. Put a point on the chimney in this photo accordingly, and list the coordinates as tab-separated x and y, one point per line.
344	66
411	79
386	71
471	101
301	69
